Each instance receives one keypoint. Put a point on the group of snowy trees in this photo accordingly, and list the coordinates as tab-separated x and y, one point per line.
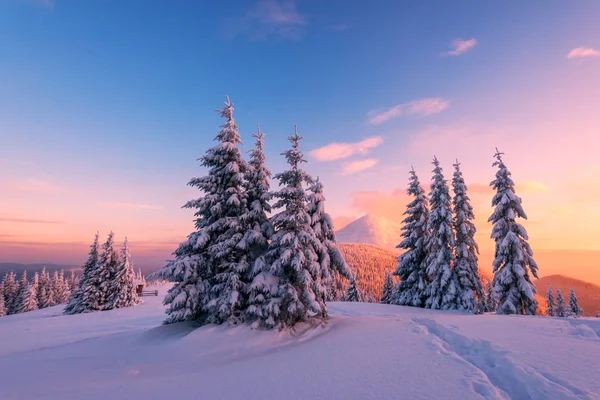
242	265
108	280
558	308
439	268
43	290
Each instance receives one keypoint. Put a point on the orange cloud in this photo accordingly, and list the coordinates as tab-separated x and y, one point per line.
28	221
419	108
583	52
358	166
338	151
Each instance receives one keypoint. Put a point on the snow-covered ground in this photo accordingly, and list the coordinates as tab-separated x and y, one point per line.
367	351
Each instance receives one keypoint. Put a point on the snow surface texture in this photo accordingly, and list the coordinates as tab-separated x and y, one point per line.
370	230
366	351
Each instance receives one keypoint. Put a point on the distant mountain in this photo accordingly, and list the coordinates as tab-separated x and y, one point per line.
369	264
371	230
587	293
33	268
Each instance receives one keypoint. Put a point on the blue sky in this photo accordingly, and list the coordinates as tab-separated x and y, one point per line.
110	102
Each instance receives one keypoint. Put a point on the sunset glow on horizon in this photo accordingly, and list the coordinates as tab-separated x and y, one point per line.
101	126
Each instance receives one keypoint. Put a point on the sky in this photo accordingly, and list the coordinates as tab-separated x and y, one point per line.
106	105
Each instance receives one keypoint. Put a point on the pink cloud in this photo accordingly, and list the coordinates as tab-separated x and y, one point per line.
358	166
337	151
271	18
419	108
583	52
460	46
128	206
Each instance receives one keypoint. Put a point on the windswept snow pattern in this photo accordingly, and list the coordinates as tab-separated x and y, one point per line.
366	351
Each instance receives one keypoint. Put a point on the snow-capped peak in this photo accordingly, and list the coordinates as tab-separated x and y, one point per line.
371	229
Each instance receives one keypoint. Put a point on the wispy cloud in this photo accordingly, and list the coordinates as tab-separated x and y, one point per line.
30	185
338	151
460	46
270	18
28	221
418	108
354	167
128	206
583	52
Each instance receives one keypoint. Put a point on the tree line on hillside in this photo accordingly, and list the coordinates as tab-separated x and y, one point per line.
242	265
439	268
108	280
23	295
558	308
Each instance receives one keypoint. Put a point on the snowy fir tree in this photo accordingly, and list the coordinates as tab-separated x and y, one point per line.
259	228
97	288
388	289
289	289
574	309
211	268
466	247
73	282
551	306
28	300
21	293
2	304
45	292
330	257
444	291
411	268
10	288
60	287
123	290
354	293
82	299
560	310
513	263
490	297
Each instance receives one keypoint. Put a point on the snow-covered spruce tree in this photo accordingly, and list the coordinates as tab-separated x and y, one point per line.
81	299
22	288
513	262
211	268
2	305
28	297
123	290
466	248
97	289
11	291
490	298
330	257
574	309
73	282
45	293
259	227
289	289
354	293
560	310
444	290
388	289
411	268
64	289
550	305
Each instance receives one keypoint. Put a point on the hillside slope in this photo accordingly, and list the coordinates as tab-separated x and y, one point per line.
371	230
587	293
366	351
369	264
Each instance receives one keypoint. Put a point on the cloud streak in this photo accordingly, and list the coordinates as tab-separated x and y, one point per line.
460	46
271	18
338	151
354	167
416	108
31	185
128	206
583	52
28	221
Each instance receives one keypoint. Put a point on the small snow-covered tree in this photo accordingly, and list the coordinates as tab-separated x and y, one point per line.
330	257
354	293
550	305
466	247
60	287
490	297
97	289
22	292
2	305
45	293
211	268
561	310
513	262
574	309
123	290
11	291
388	289
28	297
444	290
412	268
82	298
289	290
73	282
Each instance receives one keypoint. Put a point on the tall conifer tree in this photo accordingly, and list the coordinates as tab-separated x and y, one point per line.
81	299
550	306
